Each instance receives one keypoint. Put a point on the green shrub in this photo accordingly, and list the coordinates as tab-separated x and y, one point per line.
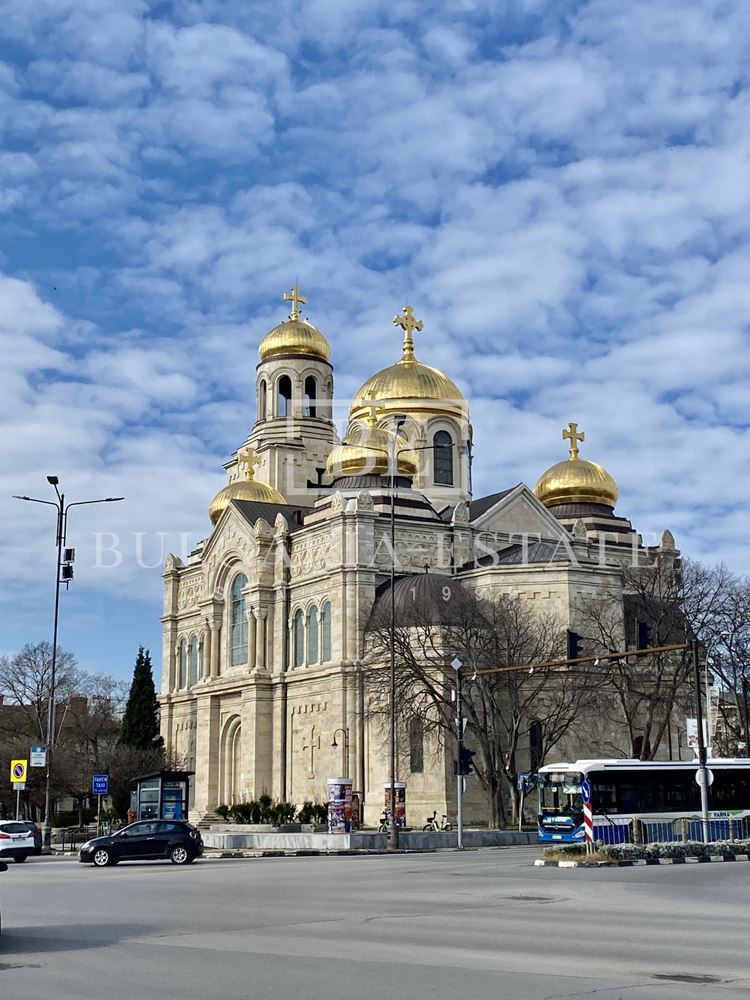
71	817
223	811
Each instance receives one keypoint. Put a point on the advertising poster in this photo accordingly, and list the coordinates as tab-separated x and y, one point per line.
339	805
400	802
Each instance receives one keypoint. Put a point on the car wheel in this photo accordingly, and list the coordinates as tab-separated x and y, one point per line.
102	857
180	856
20	858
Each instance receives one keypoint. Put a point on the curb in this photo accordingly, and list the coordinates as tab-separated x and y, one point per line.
641	862
306	853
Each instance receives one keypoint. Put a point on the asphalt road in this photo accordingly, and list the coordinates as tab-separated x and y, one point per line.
481	924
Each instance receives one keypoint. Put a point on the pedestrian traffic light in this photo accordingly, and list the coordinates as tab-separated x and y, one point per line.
644	635
574	645
464	765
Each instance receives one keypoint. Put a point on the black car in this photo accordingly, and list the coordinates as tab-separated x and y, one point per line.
150	839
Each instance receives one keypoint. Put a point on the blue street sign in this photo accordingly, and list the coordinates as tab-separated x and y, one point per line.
100	784
586	791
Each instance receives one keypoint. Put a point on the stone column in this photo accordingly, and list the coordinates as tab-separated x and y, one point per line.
260	638
204	646
215	627
251	639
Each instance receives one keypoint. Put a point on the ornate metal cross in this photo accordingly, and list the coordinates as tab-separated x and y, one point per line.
248	461
297	299
572	435
408	324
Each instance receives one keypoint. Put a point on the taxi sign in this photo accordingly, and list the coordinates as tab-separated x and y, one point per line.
18	771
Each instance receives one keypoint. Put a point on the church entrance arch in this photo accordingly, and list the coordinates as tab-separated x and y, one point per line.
230	777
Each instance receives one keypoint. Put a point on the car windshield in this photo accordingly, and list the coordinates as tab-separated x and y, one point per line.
560	792
14	828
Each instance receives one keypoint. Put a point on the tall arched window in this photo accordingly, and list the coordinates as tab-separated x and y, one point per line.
310	400
416	745
442	445
238	621
181	664
325	628
262	399
312	636
284	407
298	638
193	662
536	746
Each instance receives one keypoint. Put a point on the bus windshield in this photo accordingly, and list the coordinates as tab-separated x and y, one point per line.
560	792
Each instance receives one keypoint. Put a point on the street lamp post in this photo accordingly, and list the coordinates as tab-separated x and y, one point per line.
702	756
60	539
457	664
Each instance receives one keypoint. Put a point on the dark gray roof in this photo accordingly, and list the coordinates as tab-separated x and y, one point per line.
251	510
483	504
420	599
514	555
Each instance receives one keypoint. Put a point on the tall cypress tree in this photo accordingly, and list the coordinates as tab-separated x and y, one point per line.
140	723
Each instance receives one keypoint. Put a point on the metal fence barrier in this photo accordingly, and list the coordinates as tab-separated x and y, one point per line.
650	831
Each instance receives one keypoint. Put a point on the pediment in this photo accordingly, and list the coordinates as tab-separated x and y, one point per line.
232	531
519	512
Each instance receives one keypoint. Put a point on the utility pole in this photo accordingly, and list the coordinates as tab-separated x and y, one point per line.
457	664
702	757
746	713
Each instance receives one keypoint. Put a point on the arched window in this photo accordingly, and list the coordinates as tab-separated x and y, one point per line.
238	621
285	396
262	399
193	662
310	400
181	664
442	445
416	745
312	636
536	746
299	638
325	628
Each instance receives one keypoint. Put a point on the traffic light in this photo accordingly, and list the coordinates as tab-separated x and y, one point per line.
574	645
465	766
644	635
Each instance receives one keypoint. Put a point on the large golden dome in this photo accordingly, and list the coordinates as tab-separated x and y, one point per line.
294	335
366	449
409	385
576	480
244	488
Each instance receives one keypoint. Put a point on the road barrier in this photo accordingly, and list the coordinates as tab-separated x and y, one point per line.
653	830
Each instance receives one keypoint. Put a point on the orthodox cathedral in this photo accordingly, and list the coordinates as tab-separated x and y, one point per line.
263	680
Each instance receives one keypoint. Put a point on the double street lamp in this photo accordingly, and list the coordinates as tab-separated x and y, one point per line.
60	577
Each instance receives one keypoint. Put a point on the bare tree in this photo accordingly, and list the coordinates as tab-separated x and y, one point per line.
500	708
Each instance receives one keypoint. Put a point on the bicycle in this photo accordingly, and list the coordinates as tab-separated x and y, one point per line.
433	825
385	821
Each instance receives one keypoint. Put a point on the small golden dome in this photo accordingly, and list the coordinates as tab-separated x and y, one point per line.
408	384
244	488
366	449
294	335
576	480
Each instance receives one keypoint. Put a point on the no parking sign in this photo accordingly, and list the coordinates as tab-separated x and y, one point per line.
18	771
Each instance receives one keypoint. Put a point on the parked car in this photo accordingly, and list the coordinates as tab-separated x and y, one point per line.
36	832
150	839
3	868
16	840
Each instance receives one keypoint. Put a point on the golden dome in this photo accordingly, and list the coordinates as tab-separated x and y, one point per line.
576	480
244	488
366	449
294	335
409	384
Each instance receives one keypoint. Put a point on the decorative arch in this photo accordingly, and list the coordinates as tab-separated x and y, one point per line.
181	664
262	399
230	769
310	397
238	621
416	745
536	745
313	635
325	632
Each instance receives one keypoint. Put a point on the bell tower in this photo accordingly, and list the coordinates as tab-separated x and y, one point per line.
294	429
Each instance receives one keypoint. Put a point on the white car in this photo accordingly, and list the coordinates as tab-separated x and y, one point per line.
16	840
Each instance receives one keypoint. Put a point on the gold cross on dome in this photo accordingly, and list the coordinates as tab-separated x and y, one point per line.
572	435
372	414
297	299
248	460
408	324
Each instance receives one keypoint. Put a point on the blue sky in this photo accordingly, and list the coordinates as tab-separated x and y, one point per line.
560	189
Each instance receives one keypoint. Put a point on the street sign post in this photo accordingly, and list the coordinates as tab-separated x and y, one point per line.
99	787
38	756
588	814
18	781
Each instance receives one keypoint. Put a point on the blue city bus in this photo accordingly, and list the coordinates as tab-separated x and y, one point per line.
662	794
